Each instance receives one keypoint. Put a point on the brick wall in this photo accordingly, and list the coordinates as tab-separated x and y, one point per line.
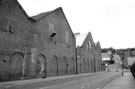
60	46
86	53
14	39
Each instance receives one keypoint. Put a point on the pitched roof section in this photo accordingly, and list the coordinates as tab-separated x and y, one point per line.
43	15
97	45
88	35
80	39
19	5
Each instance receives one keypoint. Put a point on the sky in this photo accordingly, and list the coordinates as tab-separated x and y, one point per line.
111	22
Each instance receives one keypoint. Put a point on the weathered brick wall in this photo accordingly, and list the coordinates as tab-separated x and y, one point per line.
28	51
98	57
14	39
87	54
58	46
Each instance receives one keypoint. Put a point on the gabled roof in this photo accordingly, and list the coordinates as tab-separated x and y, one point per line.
80	39
41	15
44	15
88	36
23	11
97	45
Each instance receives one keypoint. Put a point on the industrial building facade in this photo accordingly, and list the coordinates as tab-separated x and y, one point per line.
39	46
89	56
98	57
56	42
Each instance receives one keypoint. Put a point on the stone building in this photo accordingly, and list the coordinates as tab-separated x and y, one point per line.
85	55
55	42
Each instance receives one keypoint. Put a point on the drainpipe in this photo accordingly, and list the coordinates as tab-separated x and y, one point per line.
76	61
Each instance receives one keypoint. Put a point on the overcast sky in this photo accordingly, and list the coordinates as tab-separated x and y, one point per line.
112	22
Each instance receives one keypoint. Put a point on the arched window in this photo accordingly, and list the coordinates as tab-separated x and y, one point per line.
41	65
87	65
64	65
54	66
17	65
84	65
73	64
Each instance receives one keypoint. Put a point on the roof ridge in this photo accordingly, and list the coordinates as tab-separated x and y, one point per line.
45	14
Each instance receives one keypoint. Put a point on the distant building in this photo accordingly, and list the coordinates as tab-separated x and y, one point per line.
86	55
98	57
129	57
105	56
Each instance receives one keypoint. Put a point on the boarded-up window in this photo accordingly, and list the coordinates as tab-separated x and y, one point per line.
67	36
89	44
51	28
3	18
87	47
54	66
52	33
3	23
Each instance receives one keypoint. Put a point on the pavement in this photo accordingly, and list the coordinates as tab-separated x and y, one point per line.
126	81
100	80
48	79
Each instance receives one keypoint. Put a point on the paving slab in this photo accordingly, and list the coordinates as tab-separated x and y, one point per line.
124	82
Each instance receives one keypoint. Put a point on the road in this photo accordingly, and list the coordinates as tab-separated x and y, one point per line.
91	81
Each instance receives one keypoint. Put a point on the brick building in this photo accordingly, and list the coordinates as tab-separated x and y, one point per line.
56	42
85	55
16	39
98	57
40	46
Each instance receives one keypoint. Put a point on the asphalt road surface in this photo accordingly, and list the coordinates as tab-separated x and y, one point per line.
91	81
